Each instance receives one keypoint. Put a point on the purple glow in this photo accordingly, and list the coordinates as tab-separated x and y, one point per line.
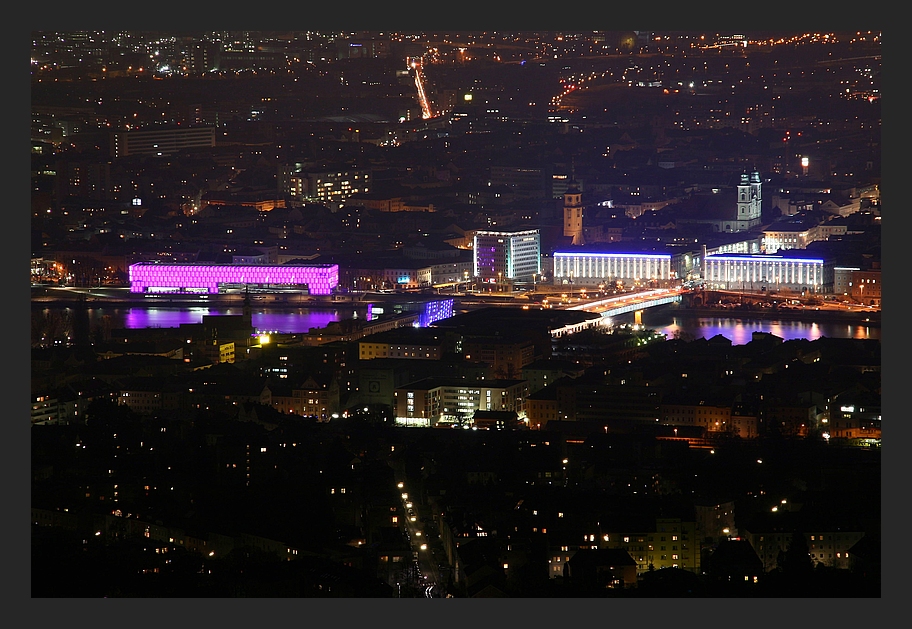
298	321
155	277
435	311
163	318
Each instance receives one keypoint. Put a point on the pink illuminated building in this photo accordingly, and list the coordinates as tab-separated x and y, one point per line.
157	277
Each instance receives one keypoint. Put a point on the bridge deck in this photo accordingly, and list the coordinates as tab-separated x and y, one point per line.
614	306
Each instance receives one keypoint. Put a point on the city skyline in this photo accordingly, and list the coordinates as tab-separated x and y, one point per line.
528	188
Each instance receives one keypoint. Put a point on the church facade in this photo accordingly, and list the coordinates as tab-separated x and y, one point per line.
724	212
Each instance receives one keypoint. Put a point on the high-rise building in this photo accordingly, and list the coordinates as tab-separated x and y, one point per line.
507	256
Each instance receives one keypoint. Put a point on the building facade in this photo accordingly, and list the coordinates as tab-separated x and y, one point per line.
673	543
432	400
589	268
827	545
161	142
759	272
156	277
329	187
725	212
507	256
377	347
865	287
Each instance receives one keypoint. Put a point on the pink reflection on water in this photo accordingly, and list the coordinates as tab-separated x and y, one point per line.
285	322
740	331
137	318
294	322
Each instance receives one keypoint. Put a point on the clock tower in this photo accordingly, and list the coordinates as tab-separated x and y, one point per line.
573	213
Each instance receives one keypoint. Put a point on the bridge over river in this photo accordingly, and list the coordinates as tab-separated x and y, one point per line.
630	302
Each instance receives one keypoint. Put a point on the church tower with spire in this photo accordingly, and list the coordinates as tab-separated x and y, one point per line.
573	213
749	200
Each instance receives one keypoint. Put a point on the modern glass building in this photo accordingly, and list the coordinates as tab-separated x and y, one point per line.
756	272
507	255
586	268
159	277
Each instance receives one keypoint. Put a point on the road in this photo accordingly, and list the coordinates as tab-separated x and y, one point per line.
426	561
601	304
426	111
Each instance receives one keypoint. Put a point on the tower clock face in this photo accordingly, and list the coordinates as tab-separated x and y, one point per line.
373	386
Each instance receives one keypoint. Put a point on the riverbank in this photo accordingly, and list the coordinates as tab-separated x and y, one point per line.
50	297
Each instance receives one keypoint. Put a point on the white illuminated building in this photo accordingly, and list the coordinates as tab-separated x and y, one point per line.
587	268
755	272
433	400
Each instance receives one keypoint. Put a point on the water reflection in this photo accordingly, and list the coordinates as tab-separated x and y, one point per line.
136	318
740	331
298	321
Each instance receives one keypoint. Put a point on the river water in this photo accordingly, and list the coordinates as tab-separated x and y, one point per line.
669	320
673	320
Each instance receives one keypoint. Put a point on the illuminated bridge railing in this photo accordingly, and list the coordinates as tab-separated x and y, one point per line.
659	301
158	277
620	305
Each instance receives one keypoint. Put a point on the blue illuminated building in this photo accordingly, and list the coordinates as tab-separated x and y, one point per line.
435	311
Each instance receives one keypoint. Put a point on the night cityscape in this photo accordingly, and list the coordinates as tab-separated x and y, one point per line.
455	314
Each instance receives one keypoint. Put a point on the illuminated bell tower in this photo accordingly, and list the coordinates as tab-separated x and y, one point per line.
573	213
755	192
749	198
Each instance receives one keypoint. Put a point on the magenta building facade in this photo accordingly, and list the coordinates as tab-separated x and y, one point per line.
158	277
